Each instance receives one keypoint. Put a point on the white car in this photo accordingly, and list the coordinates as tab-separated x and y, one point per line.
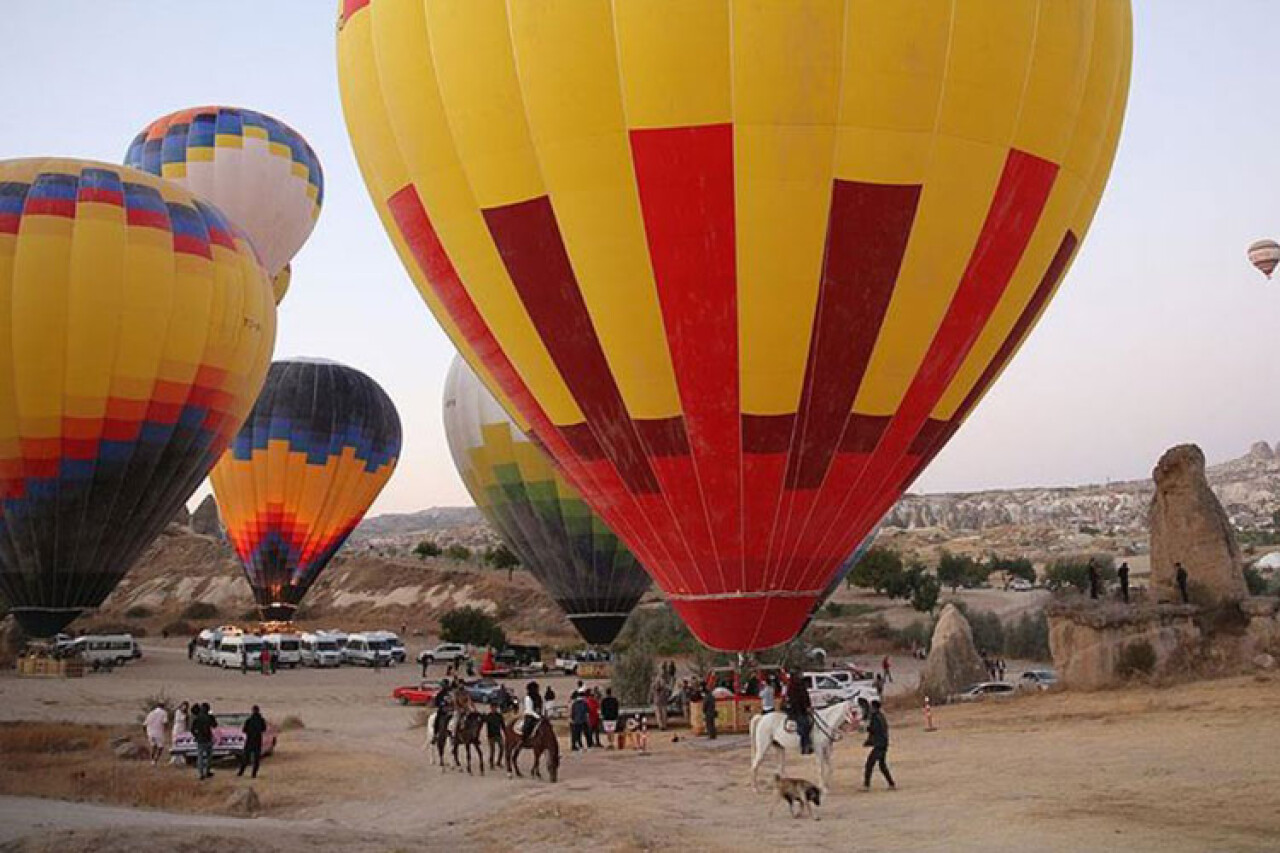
445	653
1021	585
1038	679
828	688
984	689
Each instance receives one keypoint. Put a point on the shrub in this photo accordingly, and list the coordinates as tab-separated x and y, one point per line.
633	673
427	548
1255	581
1136	659
200	610
138	611
916	635
661	628
1074	571
458	552
291	723
833	610
472	626
1028	638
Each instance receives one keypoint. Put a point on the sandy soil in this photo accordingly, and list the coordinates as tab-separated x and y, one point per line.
1185	768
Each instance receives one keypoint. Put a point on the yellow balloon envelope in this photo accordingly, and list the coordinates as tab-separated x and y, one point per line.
136	325
741	267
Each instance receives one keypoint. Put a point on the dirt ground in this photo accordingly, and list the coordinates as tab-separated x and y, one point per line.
1191	767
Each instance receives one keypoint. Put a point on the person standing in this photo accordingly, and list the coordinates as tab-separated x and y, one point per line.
660	695
709	712
878	740
244	660
191	648
422	659
549	703
1181	577
254	728
609	716
202	725
766	697
181	717
493	728
577	720
1095	580
1123	573
887	666
156	721
264	659
593	718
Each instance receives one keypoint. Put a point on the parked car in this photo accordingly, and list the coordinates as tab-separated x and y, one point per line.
1038	679
319	649
367	650
1021	585
484	691
423	693
286	649
228	738
394	644
828	688
984	689
445	653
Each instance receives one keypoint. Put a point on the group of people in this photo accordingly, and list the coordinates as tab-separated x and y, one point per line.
198	721
995	666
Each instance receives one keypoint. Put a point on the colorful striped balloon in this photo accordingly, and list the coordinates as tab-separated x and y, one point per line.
321	442
256	168
136	325
573	554
742	268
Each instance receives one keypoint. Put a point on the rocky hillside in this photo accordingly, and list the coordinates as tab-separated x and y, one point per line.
1249	488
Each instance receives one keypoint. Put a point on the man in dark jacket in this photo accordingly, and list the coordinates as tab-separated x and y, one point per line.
1181	578
579	714
254	728
800	708
1123	573
494	726
878	740
609	709
1095	580
709	712
202	725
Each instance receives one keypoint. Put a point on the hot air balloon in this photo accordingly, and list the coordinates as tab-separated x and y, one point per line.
572	553
256	168
1265	255
742	268
280	283
136	325
319	445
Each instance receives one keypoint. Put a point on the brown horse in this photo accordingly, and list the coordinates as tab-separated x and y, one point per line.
470	730
542	740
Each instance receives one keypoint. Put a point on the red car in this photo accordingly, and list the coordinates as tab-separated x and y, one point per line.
417	694
228	739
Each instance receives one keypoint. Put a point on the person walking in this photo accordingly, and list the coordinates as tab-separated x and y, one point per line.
191	648
202	725
660	695
878	740
156	721
709	711
767	697
609	710
422	659
254	728
887	666
1095	580
1123	573
1181	577
181	718
493	728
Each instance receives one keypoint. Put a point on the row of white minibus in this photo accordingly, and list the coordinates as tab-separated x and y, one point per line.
232	648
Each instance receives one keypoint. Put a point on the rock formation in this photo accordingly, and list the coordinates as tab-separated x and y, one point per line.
1189	525
205	519
182	517
953	662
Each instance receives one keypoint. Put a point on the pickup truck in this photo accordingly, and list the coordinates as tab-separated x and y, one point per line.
444	653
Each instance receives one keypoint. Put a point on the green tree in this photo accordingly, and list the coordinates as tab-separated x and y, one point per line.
1074	572
458	552
956	571
472	626
426	548
501	557
879	569
1012	568
924	594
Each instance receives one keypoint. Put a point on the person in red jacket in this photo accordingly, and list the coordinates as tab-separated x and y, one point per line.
593	718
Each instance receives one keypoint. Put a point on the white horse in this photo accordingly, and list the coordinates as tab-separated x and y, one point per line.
770	731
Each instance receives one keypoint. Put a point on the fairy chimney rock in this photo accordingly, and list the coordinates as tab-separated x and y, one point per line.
1189	526
205	519
953	662
1261	451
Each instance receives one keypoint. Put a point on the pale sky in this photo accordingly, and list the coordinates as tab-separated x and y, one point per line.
1162	332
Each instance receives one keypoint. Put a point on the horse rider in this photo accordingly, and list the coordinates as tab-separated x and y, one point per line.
767	695
461	707
443	702
530	711
800	710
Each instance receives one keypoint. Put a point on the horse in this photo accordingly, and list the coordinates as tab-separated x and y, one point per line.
542	740
437	738
470	729
769	730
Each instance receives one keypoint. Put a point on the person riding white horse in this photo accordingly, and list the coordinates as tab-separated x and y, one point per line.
770	731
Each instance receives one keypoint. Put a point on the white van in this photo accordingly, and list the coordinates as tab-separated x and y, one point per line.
207	646
286	649
367	650
319	649
394	644
339	637
235	649
116	649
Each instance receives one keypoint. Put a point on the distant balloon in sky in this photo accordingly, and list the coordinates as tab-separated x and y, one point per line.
573	554
255	168
742	268
1265	255
280	283
136	325
321	442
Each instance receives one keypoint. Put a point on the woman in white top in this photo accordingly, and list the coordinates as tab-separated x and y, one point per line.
155	722
180	727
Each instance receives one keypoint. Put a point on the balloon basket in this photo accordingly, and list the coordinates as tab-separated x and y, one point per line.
32	666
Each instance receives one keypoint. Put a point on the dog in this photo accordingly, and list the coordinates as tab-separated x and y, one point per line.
798	792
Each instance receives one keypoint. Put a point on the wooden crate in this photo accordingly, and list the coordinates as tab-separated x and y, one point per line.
595	669
733	716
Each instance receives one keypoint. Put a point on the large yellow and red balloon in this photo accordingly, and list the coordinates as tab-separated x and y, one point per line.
742	268
136	325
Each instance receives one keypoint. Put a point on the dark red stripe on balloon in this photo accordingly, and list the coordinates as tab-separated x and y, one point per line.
866	240
862	433
767	433
529	242
583	441
685	179
663	437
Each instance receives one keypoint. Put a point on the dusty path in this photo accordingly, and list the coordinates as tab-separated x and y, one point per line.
1187	768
